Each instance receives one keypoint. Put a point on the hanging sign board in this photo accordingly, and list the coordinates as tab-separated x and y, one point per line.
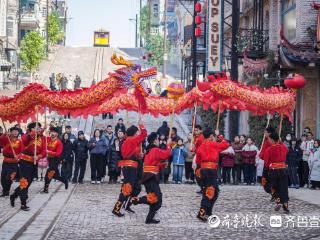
215	35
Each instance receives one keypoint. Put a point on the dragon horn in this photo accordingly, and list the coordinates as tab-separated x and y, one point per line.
120	61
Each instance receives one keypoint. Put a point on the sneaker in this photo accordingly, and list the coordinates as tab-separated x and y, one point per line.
24	208
98	182
152	221
179	182
93	182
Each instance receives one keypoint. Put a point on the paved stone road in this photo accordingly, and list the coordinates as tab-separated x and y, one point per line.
87	215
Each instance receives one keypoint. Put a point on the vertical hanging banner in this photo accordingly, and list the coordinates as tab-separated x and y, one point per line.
215	36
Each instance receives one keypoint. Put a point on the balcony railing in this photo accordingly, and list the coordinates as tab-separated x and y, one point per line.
254	42
29	19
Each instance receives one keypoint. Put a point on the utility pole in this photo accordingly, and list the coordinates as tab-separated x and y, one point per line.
136	30
47	29
140	23
165	39
194	47
234	115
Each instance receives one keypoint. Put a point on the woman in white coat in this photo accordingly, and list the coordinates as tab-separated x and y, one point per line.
314	163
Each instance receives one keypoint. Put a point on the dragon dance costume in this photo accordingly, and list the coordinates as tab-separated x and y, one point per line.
11	149
130	152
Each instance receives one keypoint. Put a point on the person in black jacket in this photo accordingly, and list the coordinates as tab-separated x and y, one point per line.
115	156
293	158
119	126
80	147
67	157
164	130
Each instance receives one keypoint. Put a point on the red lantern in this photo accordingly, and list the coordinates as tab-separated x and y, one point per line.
198	7
197	20
295	82
197	32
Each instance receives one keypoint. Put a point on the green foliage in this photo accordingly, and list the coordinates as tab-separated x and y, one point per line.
258	123
54	28
209	119
32	50
154	45
144	21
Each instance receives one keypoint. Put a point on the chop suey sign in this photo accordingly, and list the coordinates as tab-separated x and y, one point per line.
214	38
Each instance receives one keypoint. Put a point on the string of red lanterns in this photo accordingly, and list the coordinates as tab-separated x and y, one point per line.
197	19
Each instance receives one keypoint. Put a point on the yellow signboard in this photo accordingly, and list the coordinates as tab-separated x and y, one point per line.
101	39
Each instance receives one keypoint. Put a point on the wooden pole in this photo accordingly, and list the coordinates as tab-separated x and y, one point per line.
36	136
127	118
280	125
10	142
194	122
264	137
218	119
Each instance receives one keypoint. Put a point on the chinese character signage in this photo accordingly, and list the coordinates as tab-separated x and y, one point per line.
215	24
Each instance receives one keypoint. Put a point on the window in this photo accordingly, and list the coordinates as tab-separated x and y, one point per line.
10	27
289	18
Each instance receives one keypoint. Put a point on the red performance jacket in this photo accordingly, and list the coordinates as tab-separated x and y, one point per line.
264	149
276	153
55	148
8	154
131	147
198	141
155	157
28	153
209	151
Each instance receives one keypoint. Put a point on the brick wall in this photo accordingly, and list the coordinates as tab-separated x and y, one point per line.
306	17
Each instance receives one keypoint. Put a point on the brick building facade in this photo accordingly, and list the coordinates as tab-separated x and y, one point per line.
295	18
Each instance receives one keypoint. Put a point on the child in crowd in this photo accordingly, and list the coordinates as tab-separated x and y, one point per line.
179	155
259	166
227	163
249	153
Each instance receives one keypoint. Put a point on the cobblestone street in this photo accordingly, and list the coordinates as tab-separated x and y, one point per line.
87	215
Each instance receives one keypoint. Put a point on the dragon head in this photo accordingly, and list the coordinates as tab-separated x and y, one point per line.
132	76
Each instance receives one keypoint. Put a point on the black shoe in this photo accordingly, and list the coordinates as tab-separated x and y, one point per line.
45	190
152	221
117	208
12	199
4	195
273	199
24	208
74	181
118	214
277	207
80	182
129	210
135	200
202	219
285	208
66	184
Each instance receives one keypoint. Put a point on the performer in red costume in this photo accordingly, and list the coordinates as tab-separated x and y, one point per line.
33	150
275	157
198	140
131	154
208	157
12	147
154	161
54	151
265	175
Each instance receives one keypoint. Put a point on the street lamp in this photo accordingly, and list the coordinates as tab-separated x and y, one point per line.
136	21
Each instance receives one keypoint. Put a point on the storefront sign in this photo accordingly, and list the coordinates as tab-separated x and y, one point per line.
214	51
